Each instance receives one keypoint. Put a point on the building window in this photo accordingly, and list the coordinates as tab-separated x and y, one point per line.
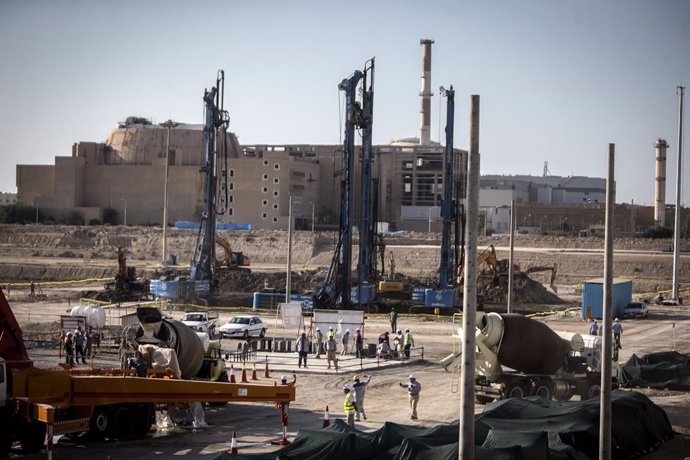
229	211
265	162
264	203
275	193
275	219
265	177
276	166
275	180
231	199
232	186
275	205
264	189
232	173
264	215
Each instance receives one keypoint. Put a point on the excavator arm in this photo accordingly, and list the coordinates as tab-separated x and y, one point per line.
553	270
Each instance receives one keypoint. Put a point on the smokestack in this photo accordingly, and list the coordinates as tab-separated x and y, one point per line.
425	118
660	192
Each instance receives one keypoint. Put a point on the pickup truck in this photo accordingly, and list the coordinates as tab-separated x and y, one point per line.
201	321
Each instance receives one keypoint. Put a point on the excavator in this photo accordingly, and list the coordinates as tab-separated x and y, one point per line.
233	260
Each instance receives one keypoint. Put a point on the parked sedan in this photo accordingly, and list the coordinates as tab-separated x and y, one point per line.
244	326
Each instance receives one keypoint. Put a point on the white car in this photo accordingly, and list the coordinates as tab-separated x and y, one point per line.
636	310
244	326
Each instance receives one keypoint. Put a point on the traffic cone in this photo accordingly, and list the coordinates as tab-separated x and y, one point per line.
254	372
231	376
233	443
326	418
266	375
244	374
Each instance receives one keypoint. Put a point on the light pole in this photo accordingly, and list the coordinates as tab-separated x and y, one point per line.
167	125
312	216
36	205
125	211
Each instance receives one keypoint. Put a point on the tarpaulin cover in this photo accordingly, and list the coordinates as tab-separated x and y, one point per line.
667	370
511	429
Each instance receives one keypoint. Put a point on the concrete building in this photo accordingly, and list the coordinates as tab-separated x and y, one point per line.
7	199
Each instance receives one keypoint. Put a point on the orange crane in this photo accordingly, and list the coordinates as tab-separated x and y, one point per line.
36	404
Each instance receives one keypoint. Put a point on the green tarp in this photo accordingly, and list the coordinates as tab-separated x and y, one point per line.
529	428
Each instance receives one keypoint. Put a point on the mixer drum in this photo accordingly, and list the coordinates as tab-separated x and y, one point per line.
531	346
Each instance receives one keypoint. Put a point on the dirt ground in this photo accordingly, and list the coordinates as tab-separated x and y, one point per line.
49	254
666	328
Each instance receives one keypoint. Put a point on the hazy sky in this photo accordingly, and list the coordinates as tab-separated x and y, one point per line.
558	80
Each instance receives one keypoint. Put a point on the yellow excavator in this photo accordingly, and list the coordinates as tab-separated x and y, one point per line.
233	260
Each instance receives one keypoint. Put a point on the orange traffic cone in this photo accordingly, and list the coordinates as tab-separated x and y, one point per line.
231	374
233	443
254	372
244	374
326	418
266	375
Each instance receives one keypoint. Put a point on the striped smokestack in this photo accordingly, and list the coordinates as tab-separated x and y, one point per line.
425	113
660	192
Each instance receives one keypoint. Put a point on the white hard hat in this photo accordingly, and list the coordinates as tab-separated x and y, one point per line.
283	377
413	377
346	388
407	330
616	319
318	329
347	330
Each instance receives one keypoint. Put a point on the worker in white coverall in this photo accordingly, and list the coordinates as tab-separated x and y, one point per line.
413	389
359	388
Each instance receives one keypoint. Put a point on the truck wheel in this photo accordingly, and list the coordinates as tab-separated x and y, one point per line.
542	388
123	423
593	391
515	389
143	420
100	423
479	399
32	435
6	435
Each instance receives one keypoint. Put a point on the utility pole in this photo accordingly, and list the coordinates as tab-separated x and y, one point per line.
607	320
510	257
469	320
676	225
168	125
288	282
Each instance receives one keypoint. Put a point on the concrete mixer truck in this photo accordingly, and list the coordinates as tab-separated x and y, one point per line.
518	356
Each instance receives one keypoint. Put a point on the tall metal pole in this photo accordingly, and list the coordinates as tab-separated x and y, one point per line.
168	125
607	320
510	256
312	216
125	216
676	232
469	320
288	282
36	199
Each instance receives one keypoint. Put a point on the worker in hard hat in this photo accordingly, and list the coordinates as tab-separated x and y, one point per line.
318	342
413	389
345	340
284	381
594	327
617	331
359	344
349	406
409	343
330	333
359	386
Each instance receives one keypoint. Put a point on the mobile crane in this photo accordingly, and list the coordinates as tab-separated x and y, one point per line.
36	404
338	283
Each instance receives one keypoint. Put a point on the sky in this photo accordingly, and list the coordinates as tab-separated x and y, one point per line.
558	80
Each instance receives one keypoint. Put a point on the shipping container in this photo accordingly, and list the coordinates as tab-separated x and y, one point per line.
593	297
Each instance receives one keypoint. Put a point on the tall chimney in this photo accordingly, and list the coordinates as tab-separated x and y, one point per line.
660	192
425	118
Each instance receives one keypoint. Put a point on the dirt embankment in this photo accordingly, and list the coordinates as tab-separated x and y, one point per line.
45	253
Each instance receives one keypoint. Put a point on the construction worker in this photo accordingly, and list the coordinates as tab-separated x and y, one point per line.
303	349
69	349
79	342
409	343
331	348
617	331
398	343
349	406
345	339
318	341
330	333
394	319
594	327
413	389
359	344
359	387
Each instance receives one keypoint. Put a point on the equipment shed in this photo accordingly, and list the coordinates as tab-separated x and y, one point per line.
593	297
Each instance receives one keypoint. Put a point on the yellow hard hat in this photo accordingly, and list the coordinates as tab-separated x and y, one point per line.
356	377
